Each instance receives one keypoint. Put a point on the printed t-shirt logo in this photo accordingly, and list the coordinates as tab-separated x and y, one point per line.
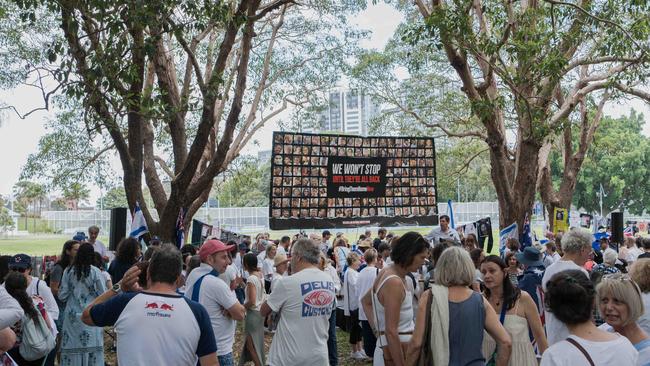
161	310
317	298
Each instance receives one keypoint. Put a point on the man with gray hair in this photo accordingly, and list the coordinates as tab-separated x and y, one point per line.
305	301
576	245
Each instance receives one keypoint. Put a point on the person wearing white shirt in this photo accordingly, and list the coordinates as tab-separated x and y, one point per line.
10	313
305	302
215	294
576	245
341	251
444	232
550	254
93	233
351	304
366	279
283	247
570	297
268	267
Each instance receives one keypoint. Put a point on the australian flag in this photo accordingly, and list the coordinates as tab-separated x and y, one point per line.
180	229
526	238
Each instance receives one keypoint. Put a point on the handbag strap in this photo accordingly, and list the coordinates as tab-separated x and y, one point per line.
502	317
581	349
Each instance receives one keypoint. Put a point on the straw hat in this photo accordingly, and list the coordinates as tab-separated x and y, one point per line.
280	259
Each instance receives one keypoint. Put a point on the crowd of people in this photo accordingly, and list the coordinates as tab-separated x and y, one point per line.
408	299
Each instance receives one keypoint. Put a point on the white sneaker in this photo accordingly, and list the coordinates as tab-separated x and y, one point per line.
363	353
358	356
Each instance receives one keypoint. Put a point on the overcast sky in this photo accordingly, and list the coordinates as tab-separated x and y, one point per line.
19	138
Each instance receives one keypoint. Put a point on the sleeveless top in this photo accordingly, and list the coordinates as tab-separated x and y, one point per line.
406	324
466	325
259	290
523	353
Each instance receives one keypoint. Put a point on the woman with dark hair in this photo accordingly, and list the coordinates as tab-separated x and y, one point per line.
16	285
68	252
128	253
254	322
388	304
82	283
570	297
518	314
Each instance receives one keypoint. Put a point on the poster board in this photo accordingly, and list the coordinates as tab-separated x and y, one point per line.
328	181
560	220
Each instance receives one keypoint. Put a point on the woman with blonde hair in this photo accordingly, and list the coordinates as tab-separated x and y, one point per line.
620	305
451	318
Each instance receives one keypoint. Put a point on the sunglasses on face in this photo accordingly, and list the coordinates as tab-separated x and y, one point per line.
21	270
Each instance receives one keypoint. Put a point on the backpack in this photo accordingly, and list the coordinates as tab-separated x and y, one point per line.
37	339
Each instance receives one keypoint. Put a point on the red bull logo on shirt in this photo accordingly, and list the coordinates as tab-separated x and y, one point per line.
318	298
158	309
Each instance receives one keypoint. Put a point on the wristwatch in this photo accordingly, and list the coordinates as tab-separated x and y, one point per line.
117	288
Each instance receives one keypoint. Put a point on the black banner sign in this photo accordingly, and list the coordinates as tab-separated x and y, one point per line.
356	177
328	181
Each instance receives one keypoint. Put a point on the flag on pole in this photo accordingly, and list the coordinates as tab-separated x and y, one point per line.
508	232
451	214
526	239
138	223
180	229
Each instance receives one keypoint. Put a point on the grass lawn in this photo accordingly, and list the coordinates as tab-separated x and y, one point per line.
36	244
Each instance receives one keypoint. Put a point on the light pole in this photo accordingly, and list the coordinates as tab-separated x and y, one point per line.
601	194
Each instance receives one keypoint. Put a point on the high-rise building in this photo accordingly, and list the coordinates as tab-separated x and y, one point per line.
348	111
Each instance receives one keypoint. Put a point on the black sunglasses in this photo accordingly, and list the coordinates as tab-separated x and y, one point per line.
21	270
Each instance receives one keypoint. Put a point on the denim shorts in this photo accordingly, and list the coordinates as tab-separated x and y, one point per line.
226	360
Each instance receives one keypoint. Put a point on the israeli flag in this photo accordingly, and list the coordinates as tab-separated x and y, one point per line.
511	231
138	224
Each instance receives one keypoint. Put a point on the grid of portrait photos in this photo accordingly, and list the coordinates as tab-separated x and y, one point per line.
299	176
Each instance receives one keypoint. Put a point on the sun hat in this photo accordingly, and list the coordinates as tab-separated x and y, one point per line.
530	257
280	259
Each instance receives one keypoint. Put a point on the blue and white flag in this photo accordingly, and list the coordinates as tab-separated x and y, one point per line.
180	229
451	214
138	224
511	231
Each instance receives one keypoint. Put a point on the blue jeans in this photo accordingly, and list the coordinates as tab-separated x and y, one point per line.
226	360
332	352
369	339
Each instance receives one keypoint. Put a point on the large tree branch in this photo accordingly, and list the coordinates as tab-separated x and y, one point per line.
216	164
188	171
633	91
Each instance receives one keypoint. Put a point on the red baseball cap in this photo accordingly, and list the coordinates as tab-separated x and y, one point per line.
213	246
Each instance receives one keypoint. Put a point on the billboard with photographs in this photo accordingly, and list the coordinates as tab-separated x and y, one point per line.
328	181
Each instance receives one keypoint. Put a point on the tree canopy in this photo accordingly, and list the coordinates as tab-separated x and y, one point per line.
176	89
526	72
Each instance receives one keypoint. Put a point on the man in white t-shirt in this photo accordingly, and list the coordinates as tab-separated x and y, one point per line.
444	232
305	302
283	247
93	233
576	245
215	294
159	326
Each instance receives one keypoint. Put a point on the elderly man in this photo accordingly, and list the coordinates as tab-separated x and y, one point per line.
576	245
305	302
157	327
